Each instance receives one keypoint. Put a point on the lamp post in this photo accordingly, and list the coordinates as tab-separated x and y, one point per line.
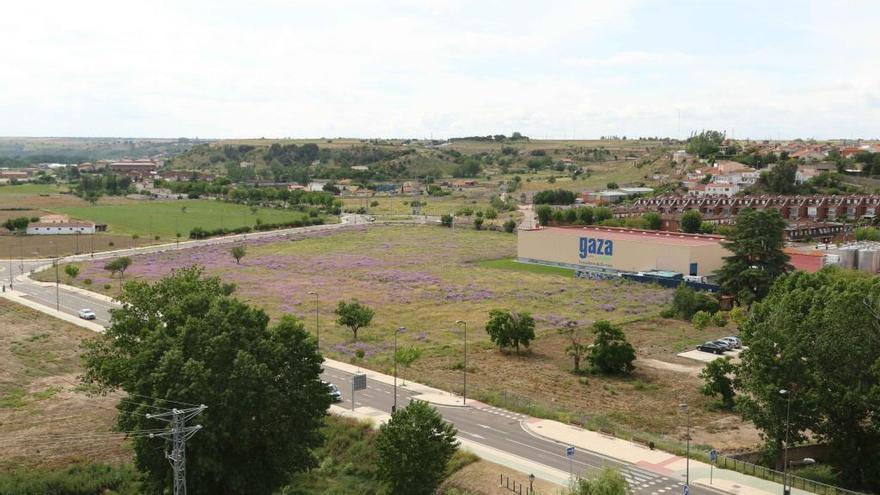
531	482
687	477
317	326
399	329
464	368
787	394
57	279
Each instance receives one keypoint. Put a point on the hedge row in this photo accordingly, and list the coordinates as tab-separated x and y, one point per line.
200	233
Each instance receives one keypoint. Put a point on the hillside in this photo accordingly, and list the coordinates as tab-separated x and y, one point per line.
21	151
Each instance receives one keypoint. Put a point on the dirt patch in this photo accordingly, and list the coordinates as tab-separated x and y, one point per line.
484	478
665	365
46	418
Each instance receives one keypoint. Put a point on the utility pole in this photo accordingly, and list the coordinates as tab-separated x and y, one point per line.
57	280
464	369
687	476
178	434
317	325
398	330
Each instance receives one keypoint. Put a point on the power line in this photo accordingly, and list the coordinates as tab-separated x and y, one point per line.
178	434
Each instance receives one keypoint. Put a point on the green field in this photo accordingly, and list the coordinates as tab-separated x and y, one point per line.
165	218
31	189
516	266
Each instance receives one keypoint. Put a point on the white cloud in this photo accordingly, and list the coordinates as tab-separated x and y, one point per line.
401	68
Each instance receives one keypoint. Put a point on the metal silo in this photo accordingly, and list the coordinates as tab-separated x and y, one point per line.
869	260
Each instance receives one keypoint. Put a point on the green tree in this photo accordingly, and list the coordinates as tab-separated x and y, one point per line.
705	144
757	260
16	224
577	347
781	178
585	215
478	223
510	226
719	376
816	335
510	329
611	353
491	213
353	315
554	197
406	356
71	271
238	253
544	213
686	302
414	447
602	213
609	481
118	265
691	221
186	340
653	220
701	319
446	220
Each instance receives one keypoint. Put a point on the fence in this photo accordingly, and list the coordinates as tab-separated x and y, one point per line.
793	481
513	486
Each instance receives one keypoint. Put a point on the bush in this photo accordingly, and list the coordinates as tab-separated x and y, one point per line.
719	319
691	221
509	226
611	353
446	220
79	479
374	204
107	286
87	281
478	223
701	319
544	213
554	197
491	214
738	315
687	301
668	313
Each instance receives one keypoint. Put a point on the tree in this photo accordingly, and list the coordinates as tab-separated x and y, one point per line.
756	243
686	302
186	339
611	353
478	223
544	214
576	348
612	185
554	197
238	253
701	319
353	315
16	224
406	356
602	213
510	226
653	220
510	329
781	178
71	271
414	447
719	381
118	265
608	482
705	144
691	221
446	220
816	335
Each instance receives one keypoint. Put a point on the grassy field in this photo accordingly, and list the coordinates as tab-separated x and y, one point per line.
426	278
165	218
46	419
32	189
513	265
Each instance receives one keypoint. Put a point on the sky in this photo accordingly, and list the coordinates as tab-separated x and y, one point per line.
440	68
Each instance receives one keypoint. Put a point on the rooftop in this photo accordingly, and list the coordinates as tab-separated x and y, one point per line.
653	236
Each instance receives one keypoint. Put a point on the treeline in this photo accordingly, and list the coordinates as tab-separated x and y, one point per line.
93	186
516	136
26	160
247	194
200	233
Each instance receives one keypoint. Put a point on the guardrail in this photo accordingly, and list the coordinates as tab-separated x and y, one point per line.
794	481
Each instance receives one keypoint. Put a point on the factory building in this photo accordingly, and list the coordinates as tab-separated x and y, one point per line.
612	250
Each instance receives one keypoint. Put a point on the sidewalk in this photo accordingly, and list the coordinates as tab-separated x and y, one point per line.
656	461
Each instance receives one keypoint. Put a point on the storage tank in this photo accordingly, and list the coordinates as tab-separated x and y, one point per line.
848	257
869	260
830	259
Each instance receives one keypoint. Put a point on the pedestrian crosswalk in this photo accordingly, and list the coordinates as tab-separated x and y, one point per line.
505	414
650	483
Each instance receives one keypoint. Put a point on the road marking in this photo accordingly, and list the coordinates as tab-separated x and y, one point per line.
481	437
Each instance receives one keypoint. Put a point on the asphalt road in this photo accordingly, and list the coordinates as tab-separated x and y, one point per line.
503	431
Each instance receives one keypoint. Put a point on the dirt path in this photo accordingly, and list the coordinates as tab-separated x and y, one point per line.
663	365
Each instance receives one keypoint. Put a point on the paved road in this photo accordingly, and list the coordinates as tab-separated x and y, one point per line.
503	430
493	427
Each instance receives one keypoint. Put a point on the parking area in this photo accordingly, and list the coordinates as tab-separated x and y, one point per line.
708	357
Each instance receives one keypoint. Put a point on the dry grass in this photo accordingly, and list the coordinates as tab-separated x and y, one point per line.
482	478
45	417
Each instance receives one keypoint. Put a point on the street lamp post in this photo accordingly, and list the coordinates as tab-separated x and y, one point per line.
787	394
317	326
687	477
531	482
399	329
464	368
57	279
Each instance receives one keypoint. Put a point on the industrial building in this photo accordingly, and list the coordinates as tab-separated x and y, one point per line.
610	250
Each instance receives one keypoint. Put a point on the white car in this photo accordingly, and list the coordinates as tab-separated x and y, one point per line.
334	391
87	314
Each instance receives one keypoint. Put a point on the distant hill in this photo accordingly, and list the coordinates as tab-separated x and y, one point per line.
23	151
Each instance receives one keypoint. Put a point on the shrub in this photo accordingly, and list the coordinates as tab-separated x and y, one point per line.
446	220
79	479
478	223
107	286
544	213
509	226
719	319
491	213
687	301
554	197
374	204
738	315
691	221
87	281
701	319
668	313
